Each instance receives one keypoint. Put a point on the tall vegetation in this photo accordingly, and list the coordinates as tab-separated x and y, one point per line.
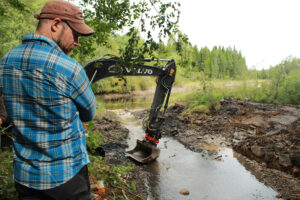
16	19
281	85
284	84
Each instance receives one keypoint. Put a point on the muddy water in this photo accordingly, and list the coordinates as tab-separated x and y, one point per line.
213	174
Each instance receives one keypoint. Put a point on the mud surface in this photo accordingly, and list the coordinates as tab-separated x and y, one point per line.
265	136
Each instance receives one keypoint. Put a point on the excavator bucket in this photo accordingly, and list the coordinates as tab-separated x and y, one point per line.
144	152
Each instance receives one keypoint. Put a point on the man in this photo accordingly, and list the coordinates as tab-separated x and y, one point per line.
47	95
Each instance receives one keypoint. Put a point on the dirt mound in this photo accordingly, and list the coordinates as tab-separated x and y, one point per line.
113	139
267	133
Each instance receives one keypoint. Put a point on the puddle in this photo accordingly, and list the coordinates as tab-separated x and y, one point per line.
213	174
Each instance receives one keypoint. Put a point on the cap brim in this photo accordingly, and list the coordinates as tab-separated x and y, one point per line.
81	28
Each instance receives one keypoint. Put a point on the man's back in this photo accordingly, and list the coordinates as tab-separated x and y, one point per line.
46	95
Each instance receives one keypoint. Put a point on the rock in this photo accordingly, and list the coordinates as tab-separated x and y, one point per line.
269	155
184	191
264	164
285	160
257	150
274	132
283	119
240	135
257	121
278	196
218	158
296	171
232	109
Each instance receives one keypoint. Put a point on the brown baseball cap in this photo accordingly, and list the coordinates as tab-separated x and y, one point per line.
68	12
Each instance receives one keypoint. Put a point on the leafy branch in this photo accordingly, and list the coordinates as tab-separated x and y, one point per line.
152	19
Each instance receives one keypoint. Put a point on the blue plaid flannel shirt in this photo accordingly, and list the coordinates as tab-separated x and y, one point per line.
47	95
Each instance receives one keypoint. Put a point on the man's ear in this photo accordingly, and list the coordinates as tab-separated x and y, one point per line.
56	25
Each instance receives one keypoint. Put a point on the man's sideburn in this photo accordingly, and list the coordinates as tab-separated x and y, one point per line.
59	42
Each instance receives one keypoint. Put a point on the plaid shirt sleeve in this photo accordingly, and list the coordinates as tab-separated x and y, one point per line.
82	95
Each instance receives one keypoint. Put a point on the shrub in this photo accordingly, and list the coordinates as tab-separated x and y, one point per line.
289	93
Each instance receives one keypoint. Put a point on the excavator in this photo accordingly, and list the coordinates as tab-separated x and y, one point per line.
146	150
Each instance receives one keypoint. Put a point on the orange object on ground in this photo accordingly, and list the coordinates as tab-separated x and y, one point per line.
101	190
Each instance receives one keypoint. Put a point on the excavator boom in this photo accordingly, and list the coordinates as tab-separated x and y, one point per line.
146	150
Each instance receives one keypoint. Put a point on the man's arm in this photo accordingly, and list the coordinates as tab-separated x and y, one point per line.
83	96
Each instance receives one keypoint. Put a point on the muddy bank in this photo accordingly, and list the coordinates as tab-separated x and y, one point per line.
113	146
265	136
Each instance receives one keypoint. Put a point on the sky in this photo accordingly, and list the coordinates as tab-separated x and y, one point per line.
265	31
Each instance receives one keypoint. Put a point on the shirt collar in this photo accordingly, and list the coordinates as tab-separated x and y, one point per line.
33	37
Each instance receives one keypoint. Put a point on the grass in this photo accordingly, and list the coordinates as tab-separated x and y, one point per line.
200	101
115	179
117	85
7	187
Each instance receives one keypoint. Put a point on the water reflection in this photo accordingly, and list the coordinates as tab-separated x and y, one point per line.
129	102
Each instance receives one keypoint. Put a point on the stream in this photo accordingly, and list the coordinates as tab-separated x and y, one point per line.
213	174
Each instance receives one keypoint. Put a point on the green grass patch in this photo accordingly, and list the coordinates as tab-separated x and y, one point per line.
115	179
201	101
117	85
7	183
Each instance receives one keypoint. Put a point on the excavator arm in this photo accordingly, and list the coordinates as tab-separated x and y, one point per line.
145	150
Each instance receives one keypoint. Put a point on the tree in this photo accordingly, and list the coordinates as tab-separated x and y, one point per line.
139	18
204	59
4	4
16	20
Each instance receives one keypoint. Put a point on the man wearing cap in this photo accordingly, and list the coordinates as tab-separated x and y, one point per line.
47	95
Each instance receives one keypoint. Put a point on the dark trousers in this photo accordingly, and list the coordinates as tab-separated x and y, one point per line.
77	188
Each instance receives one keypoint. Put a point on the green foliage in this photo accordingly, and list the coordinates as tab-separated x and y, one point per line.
16	21
254	90
204	101
115	178
283	86
290	89
117	85
108	173
6	176
138	17
16	4
94	137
